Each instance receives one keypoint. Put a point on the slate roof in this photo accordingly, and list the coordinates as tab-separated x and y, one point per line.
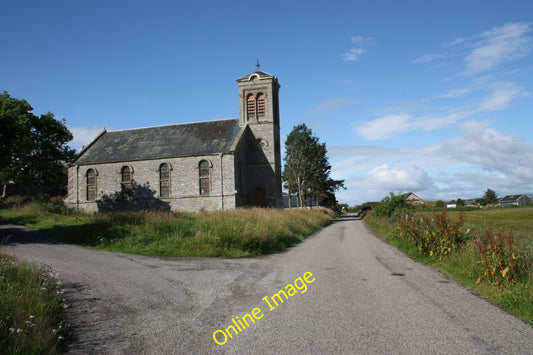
178	140
511	198
259	73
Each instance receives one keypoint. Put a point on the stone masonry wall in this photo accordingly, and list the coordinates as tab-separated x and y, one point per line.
184	183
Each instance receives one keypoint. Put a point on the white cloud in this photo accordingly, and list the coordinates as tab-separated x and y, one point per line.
457	92
465	166
84	135
493	151
394	124
385	127
362	41
430	123
427	58
457	41
496	45
500	97
402	178
482	52
354	53
377	183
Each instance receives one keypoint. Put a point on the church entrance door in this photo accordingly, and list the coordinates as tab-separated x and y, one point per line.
259	197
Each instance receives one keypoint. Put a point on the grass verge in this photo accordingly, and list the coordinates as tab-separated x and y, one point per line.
30	309
232	233
489	275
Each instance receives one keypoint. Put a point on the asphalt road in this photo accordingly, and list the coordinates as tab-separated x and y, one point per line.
363	297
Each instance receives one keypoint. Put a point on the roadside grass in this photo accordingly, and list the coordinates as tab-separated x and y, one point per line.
231	233
30	309
490	277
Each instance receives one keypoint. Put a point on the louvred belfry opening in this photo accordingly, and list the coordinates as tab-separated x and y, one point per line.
250	105
261	105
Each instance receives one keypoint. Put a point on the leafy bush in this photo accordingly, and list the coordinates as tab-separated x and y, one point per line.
362	210
392	206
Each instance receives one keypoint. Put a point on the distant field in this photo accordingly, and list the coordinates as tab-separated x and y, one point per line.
519	221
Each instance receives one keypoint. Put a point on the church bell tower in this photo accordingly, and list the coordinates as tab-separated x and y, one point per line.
259	110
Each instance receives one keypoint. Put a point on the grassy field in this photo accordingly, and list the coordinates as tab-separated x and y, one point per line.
30	309
232	233
507	237
519	221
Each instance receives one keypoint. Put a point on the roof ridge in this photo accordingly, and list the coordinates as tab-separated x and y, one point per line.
174	124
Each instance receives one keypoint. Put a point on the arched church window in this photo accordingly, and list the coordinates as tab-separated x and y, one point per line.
250	105
164	180
204	177
91	185
127	182
261	105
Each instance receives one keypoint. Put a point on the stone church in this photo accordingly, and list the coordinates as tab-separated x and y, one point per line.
199	166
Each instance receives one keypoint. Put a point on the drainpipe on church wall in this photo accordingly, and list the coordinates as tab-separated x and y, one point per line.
221	184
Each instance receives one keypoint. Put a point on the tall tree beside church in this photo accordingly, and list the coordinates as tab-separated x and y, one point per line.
33	150
307	170
322	186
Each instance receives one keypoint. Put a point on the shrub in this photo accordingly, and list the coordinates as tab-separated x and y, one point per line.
365	208
392	206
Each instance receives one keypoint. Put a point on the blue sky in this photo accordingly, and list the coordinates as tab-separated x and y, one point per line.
431	97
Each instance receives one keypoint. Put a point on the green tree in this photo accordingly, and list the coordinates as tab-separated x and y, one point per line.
490	197
33	150
307	170
322	186
392	206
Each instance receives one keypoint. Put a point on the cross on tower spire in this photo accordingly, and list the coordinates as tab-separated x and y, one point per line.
258	65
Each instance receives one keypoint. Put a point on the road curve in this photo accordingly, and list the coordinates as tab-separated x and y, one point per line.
363	297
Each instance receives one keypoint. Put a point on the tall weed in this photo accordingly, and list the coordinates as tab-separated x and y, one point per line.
437	236
504	262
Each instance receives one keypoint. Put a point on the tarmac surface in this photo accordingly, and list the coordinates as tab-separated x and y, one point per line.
363	297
